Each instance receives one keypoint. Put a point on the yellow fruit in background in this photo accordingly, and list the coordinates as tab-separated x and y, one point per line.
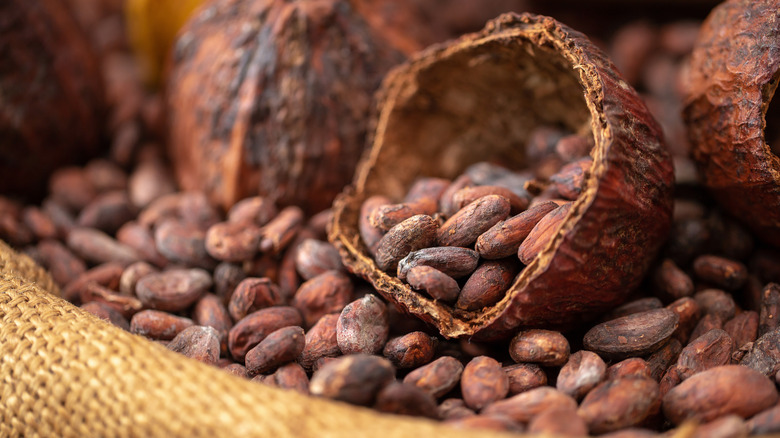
152	26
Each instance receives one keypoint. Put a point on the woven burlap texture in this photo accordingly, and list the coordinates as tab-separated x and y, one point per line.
66	373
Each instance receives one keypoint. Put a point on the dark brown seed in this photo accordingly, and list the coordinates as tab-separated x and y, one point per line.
467	195
767	421
98	247
706	323
583	371
727	426
183	242
227	276
660	360
158	325
173	290
549	423
411	350
488	284
107	313
437	377
454	408
572	147
253	294
232	241
524	377
709	350
504	238
689	313
160	209
672	281
435	283
669	380
209	311
124	304
287	277
406	399
255	210
620	403
107	275
387	216
291	376
769	314
542	233
465	226
195	208
355	379
39	223
410	235
544	347
633	335
107	212
251	330
764	354
427	187
236	369
279	347
446	202
105	175
326	293
281	230
70	187
370	234
568	181
63	265
635	306
132	274
363	326
140	238
320	341
149	181
197	342
743	328
481	422
453	261
483	382
721	272
525	406
62	218
632	367
313	257
716	302
711	394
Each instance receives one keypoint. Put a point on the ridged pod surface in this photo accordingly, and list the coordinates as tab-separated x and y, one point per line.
272	98
476	99
735	68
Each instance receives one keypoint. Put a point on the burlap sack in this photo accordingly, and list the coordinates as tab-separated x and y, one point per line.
66	373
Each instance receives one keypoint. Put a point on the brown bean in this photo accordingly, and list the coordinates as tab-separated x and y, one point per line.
488	284
709	350
253	328
483	382
281	230
525	406
504	238
173	290
453	261
363	326
253	294
620	403
355	379
313	257
542	233
197	342
435	283
524	377
636	334
158	325
326	293
410	235
720	271
465	226
544	347
583	371
232	241
279	347
320	341
411	350
406	399
437	377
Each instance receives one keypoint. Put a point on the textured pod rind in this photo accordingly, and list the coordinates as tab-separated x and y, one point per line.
50	83
735	68
471	91
271	98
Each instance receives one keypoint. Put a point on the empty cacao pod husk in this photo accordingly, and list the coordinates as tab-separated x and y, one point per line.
272	98
51	94
735	68
477	99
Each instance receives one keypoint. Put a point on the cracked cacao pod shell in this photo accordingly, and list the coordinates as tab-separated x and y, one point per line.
735	68
272	98
51	94
477	99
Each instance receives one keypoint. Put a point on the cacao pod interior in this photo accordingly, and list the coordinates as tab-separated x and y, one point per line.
478	98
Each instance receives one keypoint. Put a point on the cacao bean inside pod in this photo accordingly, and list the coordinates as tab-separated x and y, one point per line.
272	98
735	69
477	98
51	94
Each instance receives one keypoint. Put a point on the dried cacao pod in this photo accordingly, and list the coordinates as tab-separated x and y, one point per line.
272	98
51	94
476	99
735	68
